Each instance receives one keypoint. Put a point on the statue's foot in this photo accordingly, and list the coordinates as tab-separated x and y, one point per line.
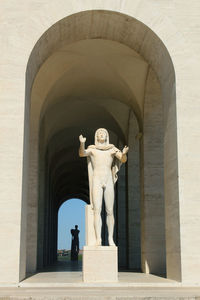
111	242
98	243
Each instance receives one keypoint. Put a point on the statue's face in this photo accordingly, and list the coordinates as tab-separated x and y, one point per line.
101	136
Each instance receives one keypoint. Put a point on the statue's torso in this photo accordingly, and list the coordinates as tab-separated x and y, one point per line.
102	163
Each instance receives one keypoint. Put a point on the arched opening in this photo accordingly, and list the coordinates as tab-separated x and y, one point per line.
121	79
62	173
71	213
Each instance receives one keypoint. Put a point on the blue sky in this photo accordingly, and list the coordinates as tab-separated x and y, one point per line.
71	213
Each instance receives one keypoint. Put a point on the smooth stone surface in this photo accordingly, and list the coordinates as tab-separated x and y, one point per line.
96	293
182	40
100	264
89	230
104	161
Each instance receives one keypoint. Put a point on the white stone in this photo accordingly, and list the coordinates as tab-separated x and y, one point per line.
174	48
104	161
100	264
90	237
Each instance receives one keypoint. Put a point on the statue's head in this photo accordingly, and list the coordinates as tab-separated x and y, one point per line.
101	136
76	226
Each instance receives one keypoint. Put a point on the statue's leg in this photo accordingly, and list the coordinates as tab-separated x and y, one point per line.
97	203
109	202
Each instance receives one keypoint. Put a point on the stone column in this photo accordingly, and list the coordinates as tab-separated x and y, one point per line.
43	179
32	203
134	197
121	227
153	214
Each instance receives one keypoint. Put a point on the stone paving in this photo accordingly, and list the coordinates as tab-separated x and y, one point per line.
63	281
100	293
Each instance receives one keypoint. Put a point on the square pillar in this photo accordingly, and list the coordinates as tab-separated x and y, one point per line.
100	264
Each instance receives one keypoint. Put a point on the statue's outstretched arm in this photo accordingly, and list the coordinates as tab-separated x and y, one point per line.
121	155
82	151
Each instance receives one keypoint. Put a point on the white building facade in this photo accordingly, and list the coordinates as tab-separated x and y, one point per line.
132	66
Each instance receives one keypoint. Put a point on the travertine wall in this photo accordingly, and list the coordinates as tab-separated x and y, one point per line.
65	112
21	27
153	206
134	194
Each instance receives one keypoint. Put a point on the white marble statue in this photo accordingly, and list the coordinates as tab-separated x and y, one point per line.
104	161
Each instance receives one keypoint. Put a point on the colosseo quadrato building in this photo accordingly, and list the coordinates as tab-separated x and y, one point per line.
70	67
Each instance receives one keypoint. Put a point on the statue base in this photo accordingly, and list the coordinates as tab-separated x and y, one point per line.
100	264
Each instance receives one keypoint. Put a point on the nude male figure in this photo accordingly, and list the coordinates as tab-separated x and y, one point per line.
104	160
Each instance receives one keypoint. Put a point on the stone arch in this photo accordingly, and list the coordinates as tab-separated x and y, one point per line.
127	31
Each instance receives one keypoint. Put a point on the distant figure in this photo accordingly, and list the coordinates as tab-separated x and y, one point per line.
75	243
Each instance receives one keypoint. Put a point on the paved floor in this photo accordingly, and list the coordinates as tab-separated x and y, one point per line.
69	274
63	281
71	279
100	293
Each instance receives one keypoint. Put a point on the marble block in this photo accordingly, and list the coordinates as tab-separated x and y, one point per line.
100	264
89	226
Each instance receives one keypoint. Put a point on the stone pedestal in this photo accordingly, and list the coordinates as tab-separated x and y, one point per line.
100	264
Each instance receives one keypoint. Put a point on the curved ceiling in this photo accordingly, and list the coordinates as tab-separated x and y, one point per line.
81	87
91	69
88	57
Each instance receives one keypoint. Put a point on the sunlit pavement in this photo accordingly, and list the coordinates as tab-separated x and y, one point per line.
69	274
63	281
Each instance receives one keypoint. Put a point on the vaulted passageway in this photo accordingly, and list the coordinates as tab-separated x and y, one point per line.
63	174
89	94
76	83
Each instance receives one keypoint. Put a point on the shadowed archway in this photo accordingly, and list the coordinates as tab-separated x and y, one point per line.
120	77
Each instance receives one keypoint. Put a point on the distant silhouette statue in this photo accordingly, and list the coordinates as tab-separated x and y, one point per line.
75	243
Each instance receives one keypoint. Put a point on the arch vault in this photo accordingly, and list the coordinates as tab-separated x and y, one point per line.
103	69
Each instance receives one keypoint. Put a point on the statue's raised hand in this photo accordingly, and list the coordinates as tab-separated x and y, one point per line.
82	139
125	150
